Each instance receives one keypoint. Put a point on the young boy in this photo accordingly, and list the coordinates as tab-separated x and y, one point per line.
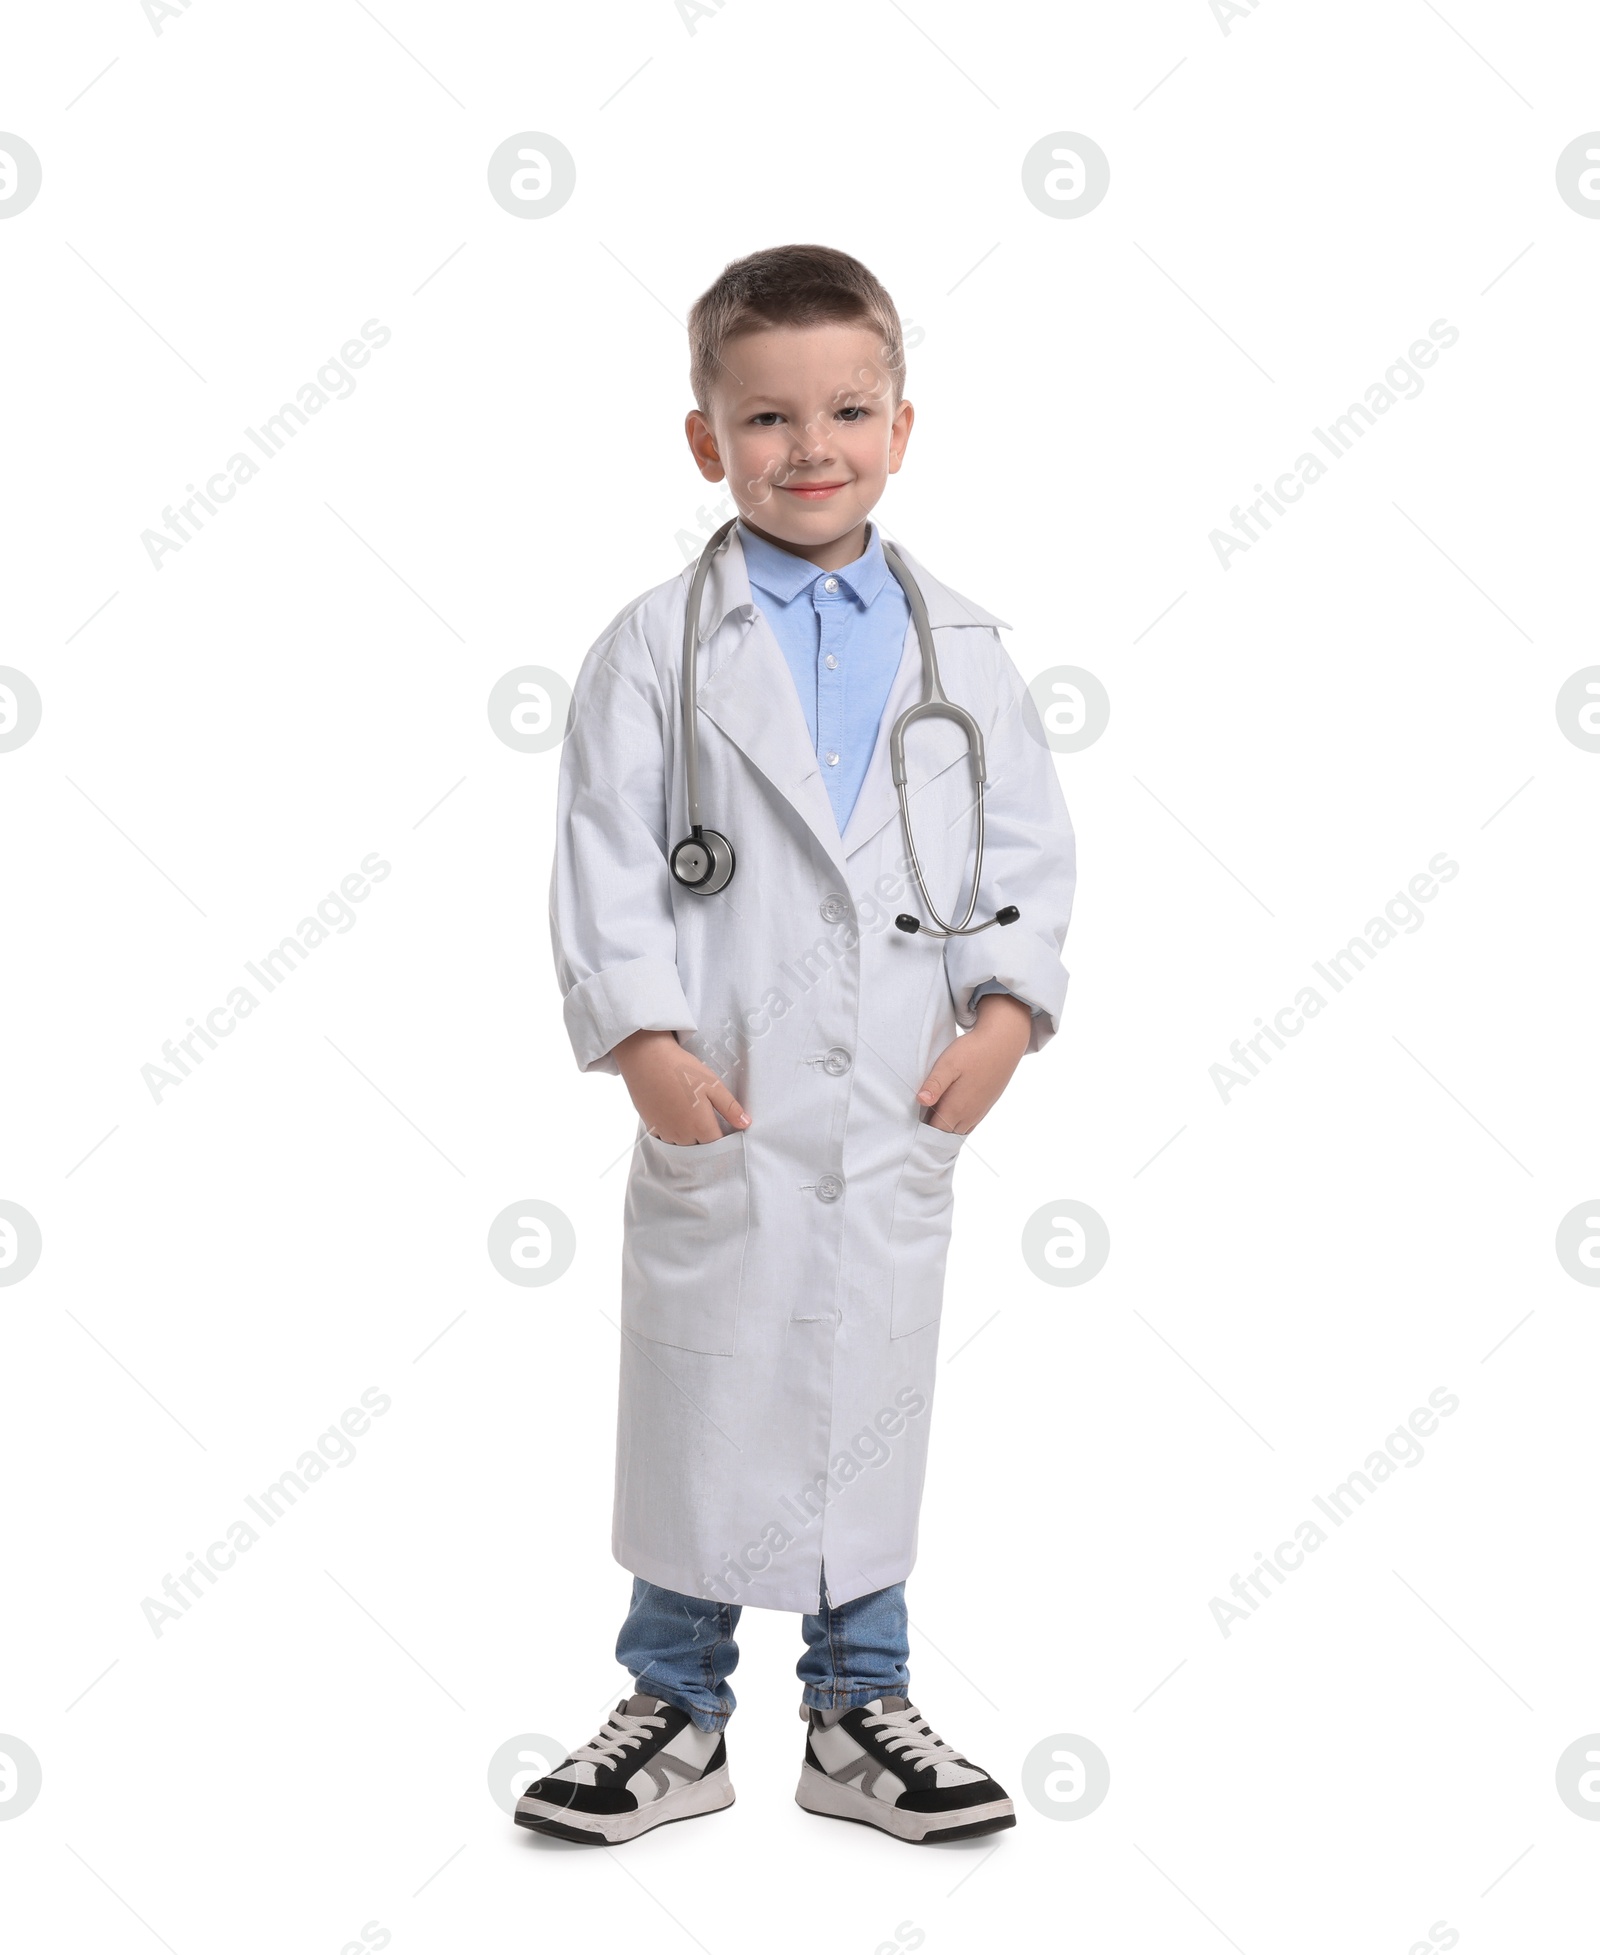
800	1068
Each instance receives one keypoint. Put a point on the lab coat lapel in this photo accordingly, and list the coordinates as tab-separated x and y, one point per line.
879	799
750	696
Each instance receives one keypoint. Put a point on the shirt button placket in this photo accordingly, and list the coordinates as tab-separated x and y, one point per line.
830	605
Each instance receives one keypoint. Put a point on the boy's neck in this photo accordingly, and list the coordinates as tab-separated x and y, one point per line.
826	556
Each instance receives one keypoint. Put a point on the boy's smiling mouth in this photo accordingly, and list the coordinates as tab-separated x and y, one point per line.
812	491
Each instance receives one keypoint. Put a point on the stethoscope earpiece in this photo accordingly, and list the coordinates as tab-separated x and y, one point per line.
911	925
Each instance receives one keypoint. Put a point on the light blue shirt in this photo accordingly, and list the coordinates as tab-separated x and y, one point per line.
842	634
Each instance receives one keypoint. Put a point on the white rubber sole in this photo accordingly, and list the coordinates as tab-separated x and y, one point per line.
818	1793
709	1794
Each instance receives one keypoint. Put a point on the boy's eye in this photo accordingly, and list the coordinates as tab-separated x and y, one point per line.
768	415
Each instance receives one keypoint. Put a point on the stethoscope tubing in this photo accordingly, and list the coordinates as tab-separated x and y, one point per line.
933	704
691	625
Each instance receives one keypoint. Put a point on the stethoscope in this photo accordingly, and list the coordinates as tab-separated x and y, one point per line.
703	861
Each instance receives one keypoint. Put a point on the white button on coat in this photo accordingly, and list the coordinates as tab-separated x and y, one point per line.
782	1285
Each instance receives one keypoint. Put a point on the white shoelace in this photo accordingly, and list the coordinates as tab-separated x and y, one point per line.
619	1732
908	1733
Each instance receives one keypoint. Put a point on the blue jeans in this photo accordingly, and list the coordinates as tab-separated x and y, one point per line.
681	1647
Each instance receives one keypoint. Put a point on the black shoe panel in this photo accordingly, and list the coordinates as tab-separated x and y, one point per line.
582	1798
951	1798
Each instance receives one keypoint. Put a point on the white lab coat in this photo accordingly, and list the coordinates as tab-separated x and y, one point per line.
781	1286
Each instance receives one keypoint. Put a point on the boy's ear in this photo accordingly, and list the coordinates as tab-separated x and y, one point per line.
900	434
703	446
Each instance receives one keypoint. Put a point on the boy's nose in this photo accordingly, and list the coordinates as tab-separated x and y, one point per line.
814	456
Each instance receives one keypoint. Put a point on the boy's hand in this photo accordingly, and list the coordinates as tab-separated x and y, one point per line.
678	1096
976	1067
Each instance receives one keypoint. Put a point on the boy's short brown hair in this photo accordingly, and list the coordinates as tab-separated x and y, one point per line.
789	285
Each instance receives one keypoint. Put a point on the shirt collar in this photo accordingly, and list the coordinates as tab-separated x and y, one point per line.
783	575
728	591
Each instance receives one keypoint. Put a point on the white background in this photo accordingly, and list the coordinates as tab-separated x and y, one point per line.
1291	1272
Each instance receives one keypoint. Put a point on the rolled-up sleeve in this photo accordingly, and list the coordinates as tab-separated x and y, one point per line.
1029	859
611	922
997	990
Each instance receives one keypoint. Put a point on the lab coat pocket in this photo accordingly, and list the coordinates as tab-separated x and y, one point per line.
686	1220
919	1236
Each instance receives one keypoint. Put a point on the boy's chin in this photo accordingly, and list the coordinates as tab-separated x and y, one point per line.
811	522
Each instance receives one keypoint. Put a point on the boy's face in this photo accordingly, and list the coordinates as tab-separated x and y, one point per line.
804	428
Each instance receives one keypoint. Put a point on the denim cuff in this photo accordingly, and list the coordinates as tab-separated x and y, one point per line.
851	1697
705	1720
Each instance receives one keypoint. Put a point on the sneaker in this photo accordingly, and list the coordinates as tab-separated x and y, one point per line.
650	1764
883	1765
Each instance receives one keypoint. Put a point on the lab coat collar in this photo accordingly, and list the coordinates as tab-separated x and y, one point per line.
745	689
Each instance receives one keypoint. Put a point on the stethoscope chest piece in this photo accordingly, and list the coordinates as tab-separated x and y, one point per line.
703	862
